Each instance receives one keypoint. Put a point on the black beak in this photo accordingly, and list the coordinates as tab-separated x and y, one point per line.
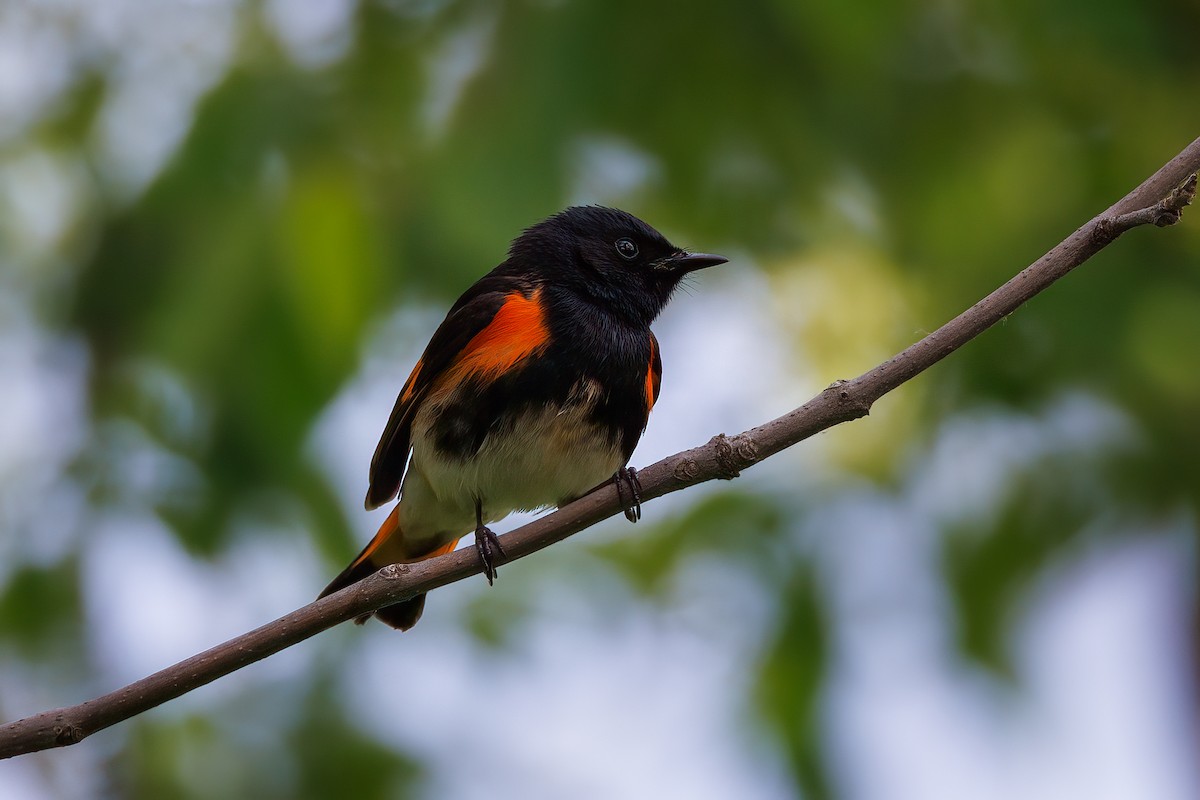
684	261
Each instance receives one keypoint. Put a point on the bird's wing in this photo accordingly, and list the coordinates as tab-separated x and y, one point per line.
497	323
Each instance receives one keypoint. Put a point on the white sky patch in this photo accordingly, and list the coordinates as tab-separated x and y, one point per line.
140	127
345	434
41	408
609	170
315	33
24	779
641	708
43	424
152	604
145	119
451	66
158	59
1103	710
35	67
42	195
725	368
975	457
1107	657
164	57
853	198
421	10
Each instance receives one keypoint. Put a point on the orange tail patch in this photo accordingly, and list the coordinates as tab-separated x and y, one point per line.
389	528
387	547
448	547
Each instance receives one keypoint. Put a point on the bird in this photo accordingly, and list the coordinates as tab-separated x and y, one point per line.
533	391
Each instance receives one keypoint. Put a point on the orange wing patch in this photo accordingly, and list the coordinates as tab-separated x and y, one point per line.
411	384
516	332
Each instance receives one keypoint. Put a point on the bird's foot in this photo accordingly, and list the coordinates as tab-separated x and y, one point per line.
629	491
491	553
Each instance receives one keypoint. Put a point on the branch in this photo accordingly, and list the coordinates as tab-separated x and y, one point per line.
1159	200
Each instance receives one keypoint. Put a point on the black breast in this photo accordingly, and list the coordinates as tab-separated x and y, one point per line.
587	347
595	345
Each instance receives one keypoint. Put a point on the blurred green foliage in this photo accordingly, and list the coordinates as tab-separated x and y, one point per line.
742	529
40	609
303	204
207	757
789	687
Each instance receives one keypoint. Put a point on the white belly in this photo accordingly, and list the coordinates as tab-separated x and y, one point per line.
550	456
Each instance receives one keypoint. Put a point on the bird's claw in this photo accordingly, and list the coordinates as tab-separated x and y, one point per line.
491	552
629	491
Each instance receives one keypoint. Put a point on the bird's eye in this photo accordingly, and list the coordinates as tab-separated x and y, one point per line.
626	249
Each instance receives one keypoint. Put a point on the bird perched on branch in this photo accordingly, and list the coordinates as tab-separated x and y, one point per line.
534	390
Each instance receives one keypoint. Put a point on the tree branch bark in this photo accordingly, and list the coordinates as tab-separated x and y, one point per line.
1159	200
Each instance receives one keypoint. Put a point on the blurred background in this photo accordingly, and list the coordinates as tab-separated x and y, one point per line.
227	229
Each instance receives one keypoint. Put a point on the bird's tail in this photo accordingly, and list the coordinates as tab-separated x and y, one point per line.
387	547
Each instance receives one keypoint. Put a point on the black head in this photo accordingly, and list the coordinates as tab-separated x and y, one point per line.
608	257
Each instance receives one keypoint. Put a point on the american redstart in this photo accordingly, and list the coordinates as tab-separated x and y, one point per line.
534	390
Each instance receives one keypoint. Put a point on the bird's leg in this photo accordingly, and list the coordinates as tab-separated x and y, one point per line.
629	491
487	544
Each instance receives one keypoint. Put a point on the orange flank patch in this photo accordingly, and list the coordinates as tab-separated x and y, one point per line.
516	332
653	376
